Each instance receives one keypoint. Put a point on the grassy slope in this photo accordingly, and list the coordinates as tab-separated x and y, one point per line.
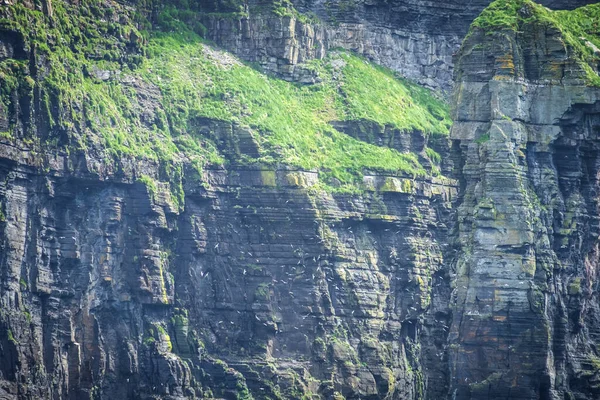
293	120
577	26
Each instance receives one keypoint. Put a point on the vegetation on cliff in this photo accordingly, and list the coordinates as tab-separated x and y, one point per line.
294	120
97	89
580	28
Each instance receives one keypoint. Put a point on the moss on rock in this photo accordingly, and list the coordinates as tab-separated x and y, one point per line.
579	28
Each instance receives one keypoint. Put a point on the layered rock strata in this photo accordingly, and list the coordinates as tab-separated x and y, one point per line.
257	286
254	282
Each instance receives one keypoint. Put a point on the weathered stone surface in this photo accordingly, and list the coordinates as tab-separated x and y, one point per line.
479	287
279	44
282	44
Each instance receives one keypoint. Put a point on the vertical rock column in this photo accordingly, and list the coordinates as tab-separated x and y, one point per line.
512	89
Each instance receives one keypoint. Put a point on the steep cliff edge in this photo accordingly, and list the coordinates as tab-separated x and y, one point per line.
525	295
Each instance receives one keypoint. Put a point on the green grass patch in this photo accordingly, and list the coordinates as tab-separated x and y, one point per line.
150	184
434	156
285	8
376	93
500	14
293	121
108	114
11	338
483	138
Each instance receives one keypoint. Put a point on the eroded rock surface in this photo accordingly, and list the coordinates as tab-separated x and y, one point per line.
108	289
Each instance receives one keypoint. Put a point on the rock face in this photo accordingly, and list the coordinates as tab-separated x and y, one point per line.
282	44
525	292
249	282
477	283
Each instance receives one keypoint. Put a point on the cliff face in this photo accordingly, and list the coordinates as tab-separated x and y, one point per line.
165	234
193	257
256	286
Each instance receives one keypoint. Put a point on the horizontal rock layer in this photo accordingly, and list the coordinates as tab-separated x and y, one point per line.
108	289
